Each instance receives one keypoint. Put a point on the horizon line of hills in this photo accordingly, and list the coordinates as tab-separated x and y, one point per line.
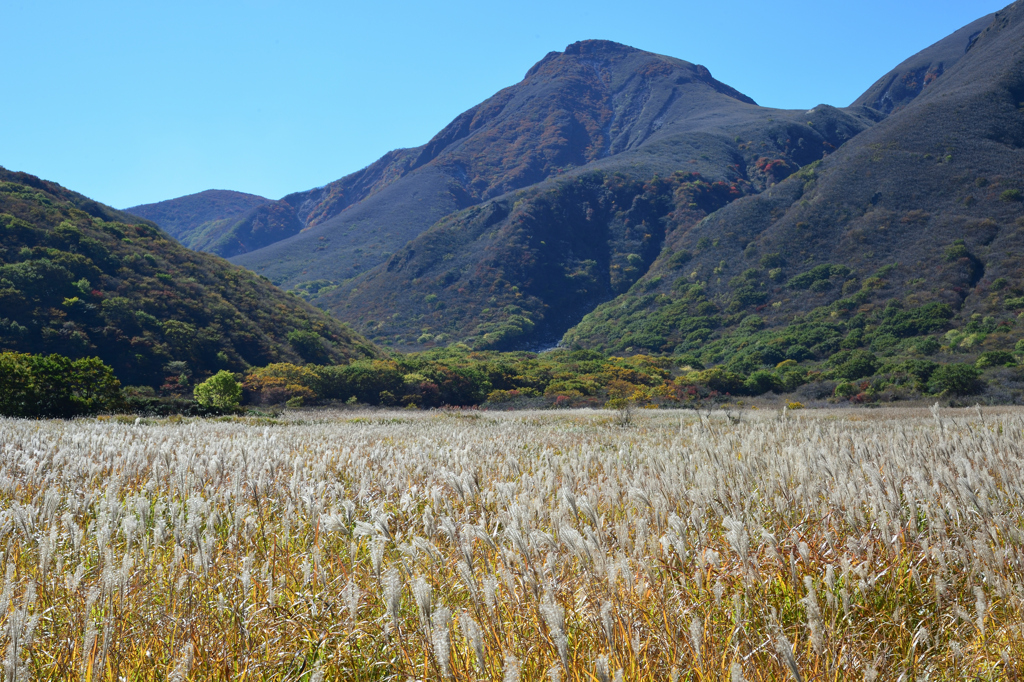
614	199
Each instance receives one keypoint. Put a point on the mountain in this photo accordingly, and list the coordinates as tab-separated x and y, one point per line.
199	220
82	279
595	101
898	87
539	203
904	241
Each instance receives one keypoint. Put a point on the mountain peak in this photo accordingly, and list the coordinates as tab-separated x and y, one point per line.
586	47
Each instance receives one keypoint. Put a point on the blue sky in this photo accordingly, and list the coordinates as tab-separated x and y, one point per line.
135	102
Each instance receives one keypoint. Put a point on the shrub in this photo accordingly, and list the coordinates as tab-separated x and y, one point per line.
957	378
282	381
309	346
220	392
762	381
806	279
956	252
688	360
721	380
56	386
798	352
993	358
845	390
857	365
1011	195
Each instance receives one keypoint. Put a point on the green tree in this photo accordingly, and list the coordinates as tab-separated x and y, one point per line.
762	381
959	378
857	365
309	346
55	386
219	392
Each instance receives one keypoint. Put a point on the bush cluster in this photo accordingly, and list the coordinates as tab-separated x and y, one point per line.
56	386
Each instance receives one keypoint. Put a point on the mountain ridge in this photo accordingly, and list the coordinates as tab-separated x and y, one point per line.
458	149
676	117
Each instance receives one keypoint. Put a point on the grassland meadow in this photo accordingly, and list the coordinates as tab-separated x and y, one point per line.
548	545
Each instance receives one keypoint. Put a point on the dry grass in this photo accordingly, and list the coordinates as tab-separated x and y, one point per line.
813	545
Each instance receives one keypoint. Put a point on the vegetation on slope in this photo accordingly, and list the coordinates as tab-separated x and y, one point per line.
518	271
918	214
82	280
596	107
198	220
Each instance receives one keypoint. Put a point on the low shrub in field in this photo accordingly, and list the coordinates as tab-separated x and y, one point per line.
219	392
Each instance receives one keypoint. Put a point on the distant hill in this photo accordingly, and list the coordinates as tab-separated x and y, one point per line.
82	279
580	136
907	238
199	220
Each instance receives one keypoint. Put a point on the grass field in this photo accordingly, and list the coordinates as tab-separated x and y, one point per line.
875	545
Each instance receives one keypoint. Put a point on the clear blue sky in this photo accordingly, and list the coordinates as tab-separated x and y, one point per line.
135	102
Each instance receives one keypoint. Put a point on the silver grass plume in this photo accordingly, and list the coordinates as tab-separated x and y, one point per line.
351	595
696	636
89	640
980	607
376	555
814	623
490	588
423	593
392	594
440	638
785	649
601	669
511	669
608	623
554	617
182	665
475	636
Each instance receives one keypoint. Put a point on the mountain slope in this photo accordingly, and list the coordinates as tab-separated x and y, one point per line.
82	279
913	227
198	220
598	104
521	268
898	87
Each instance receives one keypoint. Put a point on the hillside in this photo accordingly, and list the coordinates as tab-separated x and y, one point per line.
82	279
600	122
901	85
199	220
596	106
906	241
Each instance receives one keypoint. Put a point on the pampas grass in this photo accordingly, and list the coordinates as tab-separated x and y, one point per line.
537	545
